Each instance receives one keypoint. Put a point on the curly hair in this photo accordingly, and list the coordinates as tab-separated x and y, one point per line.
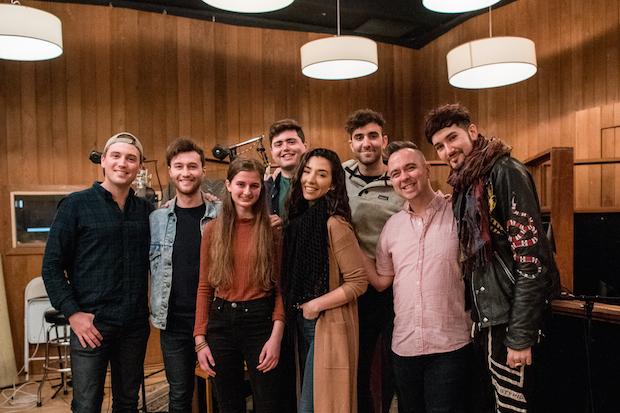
363	117
337	198
445	116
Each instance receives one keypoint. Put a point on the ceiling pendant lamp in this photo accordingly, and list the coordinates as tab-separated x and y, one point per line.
249	6
491	62
339	57
457	6
28	34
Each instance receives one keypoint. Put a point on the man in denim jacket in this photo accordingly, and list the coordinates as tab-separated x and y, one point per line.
176	232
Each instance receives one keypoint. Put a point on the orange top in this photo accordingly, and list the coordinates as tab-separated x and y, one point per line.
242	288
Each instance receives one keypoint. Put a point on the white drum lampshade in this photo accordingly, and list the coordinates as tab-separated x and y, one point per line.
339	58
249	6
491	62
457	6
29	34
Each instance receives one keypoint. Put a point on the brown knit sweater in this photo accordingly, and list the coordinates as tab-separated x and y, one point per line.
242	288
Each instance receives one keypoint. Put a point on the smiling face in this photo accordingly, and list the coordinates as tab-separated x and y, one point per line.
453	144
286	150
367	143
186	172
120	164
316	178
409	173
244	190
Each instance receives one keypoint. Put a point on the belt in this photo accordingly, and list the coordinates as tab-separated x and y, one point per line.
263	302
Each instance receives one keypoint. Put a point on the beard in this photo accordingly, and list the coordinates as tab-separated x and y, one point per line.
191	190
369	158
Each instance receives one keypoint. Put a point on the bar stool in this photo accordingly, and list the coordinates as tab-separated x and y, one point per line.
59	340
209	386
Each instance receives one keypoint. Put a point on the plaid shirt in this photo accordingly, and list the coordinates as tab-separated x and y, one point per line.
97	257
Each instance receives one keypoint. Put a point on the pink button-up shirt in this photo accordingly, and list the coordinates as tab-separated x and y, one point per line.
422	253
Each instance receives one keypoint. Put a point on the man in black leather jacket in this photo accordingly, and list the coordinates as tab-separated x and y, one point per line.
507	261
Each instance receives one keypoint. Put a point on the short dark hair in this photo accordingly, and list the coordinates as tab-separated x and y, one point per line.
284	125
182	145
445	116
396	146
363	117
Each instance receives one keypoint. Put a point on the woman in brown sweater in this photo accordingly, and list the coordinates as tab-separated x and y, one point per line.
239	310
324	275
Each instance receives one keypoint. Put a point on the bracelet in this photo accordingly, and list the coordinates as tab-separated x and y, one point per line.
200	346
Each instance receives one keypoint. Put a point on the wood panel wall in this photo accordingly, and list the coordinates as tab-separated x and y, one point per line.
161	77
598	138
566	103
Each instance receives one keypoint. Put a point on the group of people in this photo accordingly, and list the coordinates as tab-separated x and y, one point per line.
321	280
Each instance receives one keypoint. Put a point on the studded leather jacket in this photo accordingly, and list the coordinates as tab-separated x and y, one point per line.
516	284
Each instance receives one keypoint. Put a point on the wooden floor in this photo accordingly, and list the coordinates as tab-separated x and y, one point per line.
24	400
25	397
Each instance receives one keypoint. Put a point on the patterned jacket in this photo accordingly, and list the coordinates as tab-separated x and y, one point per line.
516	284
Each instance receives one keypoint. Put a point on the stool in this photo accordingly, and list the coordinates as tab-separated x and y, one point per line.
60	340
209	385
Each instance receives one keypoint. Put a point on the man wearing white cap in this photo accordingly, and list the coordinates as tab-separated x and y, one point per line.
95	270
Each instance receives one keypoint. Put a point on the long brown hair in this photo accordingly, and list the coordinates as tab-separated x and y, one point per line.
222	240
337	199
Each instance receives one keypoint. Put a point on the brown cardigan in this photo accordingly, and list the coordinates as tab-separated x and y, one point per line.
337	330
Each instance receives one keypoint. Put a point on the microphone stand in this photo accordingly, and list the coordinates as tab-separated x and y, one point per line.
588	308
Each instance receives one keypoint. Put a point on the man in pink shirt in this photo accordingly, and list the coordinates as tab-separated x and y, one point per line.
418	253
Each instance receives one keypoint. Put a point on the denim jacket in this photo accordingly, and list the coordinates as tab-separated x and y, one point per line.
163	224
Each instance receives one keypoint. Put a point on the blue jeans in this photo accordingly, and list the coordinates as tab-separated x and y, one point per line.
237	332
433	383
306	401
124	349
177	349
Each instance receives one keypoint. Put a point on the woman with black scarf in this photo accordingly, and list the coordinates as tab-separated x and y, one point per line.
323	274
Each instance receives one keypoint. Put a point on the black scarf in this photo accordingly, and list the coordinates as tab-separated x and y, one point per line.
474	223
305	263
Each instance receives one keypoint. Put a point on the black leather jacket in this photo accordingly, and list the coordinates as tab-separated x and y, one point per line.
516	284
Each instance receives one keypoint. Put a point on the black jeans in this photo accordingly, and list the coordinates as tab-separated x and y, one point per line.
237	332
376	320
288	369
177	349
434	383
123	348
